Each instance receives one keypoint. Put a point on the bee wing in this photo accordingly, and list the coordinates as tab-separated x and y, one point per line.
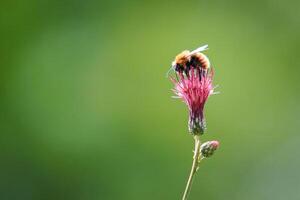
203	48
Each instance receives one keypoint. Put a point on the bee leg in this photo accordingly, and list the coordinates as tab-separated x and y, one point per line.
188	68
199	73
186	71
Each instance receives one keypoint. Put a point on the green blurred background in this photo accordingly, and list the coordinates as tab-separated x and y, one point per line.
86	112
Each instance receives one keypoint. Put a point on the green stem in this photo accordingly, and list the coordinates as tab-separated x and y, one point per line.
194	167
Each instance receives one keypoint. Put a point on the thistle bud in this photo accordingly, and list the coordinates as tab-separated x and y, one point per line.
208	148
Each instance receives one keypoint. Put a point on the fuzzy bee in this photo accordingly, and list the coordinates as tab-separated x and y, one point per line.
187	59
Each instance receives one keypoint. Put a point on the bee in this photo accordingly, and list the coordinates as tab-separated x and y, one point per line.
187	59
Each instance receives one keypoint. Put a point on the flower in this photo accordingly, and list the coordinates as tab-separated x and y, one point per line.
193	84
207	149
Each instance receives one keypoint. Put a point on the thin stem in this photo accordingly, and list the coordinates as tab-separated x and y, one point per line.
194	167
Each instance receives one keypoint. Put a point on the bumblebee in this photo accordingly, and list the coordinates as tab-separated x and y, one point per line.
187	59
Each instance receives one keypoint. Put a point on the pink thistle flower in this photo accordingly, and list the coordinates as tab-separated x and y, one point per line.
193	84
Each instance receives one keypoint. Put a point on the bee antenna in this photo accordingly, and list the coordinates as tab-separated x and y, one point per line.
168	72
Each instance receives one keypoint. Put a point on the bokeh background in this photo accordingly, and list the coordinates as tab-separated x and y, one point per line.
86	112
